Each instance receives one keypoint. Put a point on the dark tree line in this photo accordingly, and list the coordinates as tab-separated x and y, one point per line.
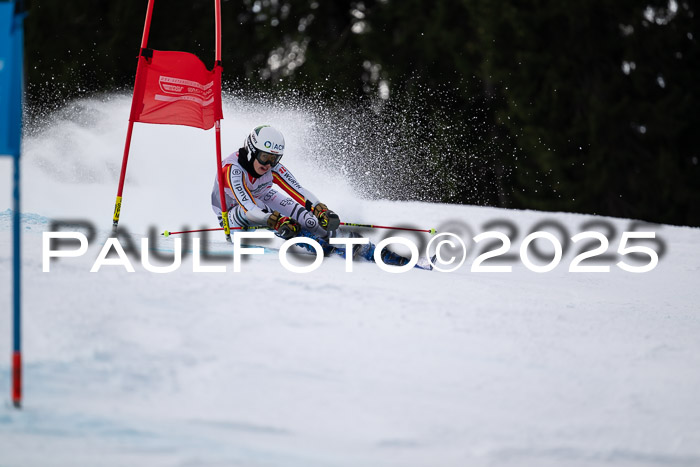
556	105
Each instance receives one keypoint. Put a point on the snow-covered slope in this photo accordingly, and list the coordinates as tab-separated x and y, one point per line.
270	368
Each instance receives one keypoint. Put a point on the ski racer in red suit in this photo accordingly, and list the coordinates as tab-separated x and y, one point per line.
250	176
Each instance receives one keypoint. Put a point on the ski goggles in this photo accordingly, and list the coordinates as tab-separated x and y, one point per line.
266	158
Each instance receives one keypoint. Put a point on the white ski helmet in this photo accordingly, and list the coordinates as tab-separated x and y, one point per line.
264	139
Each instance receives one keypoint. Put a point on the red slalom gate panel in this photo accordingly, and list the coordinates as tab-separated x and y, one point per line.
176	88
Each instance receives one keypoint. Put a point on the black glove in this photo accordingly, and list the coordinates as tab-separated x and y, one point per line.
326	218
286	227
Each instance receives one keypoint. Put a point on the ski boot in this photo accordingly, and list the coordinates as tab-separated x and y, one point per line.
327	248
389	257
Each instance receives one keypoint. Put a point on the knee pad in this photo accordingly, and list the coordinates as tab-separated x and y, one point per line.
309	222
237	218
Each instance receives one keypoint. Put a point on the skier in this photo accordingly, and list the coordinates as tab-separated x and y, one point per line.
249	176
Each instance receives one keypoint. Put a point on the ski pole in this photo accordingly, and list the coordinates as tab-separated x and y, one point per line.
349	224
252	227
370	226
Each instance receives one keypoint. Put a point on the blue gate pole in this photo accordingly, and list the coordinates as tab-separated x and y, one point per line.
11	87
17	81
17	287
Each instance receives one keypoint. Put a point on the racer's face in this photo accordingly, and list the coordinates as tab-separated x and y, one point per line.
261	169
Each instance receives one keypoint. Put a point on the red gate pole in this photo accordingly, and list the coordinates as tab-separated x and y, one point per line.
219	169
127	145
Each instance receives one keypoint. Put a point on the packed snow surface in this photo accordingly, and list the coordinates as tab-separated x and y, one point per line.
266	367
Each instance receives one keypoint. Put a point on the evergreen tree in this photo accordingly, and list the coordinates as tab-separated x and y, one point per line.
598	96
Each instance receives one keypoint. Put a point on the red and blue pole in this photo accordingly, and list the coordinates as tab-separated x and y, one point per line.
11	83
16	293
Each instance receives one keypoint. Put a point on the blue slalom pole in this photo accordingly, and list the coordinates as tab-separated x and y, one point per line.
18	85
17	288
11	86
